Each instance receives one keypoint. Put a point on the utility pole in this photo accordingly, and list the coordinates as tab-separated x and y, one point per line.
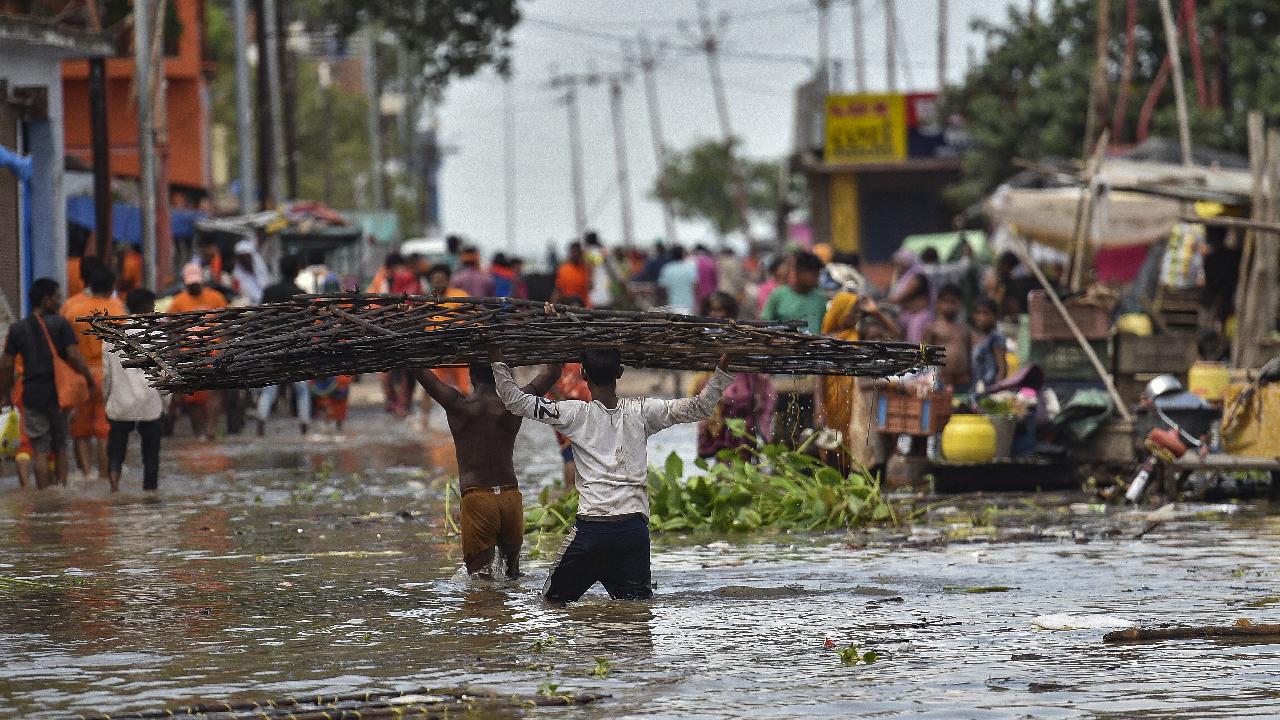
648	61
266	148
288	74
708	41
620	153
890	46
942	45
146	136
374	117
824	36
271	56
859	48
569	84
509	163
160	131
244	109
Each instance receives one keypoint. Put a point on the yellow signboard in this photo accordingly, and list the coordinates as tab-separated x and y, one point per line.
866	129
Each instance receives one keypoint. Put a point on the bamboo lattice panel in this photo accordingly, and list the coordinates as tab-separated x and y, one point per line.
316	336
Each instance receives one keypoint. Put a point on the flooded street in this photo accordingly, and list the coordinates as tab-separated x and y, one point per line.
281	566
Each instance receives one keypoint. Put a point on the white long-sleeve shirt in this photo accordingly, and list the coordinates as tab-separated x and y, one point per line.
128	394
609	445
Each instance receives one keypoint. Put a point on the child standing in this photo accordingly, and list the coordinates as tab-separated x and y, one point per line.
947	330
989	346
132	404
610	539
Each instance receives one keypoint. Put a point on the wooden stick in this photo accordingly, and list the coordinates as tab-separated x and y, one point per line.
1191	633
1179	90
1235	223
1024	254
1084	213
1257	166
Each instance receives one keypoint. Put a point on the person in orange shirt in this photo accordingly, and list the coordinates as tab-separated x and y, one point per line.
197	297
89	421
573	279
128	265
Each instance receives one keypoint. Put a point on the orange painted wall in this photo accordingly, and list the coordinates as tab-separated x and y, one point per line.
187	99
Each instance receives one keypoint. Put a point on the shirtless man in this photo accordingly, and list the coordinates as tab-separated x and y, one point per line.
947	330
484	437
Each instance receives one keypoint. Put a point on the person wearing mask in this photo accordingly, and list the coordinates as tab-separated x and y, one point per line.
470	279
36	338
801	301
778	270
89	426
677	278
132	404
195	296
573	277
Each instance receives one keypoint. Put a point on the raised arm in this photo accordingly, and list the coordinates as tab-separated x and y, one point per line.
519	402
439	390
543	383
662	414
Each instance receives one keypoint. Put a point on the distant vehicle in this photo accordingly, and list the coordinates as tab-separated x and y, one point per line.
432	248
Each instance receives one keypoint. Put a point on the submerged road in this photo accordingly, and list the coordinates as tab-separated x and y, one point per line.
283	566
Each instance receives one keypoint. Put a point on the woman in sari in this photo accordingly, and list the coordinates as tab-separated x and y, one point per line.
848	401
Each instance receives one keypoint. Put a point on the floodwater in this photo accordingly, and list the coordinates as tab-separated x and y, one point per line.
279	567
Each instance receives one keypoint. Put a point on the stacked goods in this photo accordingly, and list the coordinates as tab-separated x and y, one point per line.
1053	345
1138	359
316	336
907	411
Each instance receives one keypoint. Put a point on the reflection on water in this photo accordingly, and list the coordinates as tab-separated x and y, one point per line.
279	567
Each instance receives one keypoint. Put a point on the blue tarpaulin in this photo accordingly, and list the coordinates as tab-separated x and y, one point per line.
126	219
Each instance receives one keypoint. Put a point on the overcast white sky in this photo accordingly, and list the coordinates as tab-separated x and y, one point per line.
576	36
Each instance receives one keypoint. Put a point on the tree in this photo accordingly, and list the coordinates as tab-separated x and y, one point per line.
1030	96
451	38
699	184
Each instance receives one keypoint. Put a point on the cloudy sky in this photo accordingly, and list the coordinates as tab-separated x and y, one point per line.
763	41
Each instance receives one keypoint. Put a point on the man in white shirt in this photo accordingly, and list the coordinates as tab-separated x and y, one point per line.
610	539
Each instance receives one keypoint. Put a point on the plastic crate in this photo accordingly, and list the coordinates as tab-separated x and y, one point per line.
1155	354
1046	324
1066	360
905	413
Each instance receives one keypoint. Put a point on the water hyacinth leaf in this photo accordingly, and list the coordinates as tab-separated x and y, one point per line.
674	467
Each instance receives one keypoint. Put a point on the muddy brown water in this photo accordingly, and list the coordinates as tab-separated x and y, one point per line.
284	567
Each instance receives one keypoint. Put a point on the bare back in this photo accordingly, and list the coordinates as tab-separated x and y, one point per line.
484	438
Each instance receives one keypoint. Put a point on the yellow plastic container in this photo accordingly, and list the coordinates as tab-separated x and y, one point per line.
969	439
1209	380
1251	428
1134	324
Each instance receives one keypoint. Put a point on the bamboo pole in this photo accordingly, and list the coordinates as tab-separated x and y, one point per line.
1192	633
1257	164
1179	89
1084	213
1025	256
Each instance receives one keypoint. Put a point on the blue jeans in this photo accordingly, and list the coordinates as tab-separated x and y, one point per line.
613	552
267	400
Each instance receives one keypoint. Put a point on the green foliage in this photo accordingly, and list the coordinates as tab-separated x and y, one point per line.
771	487
1038	72
602	668
849	656
699	184
451	38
